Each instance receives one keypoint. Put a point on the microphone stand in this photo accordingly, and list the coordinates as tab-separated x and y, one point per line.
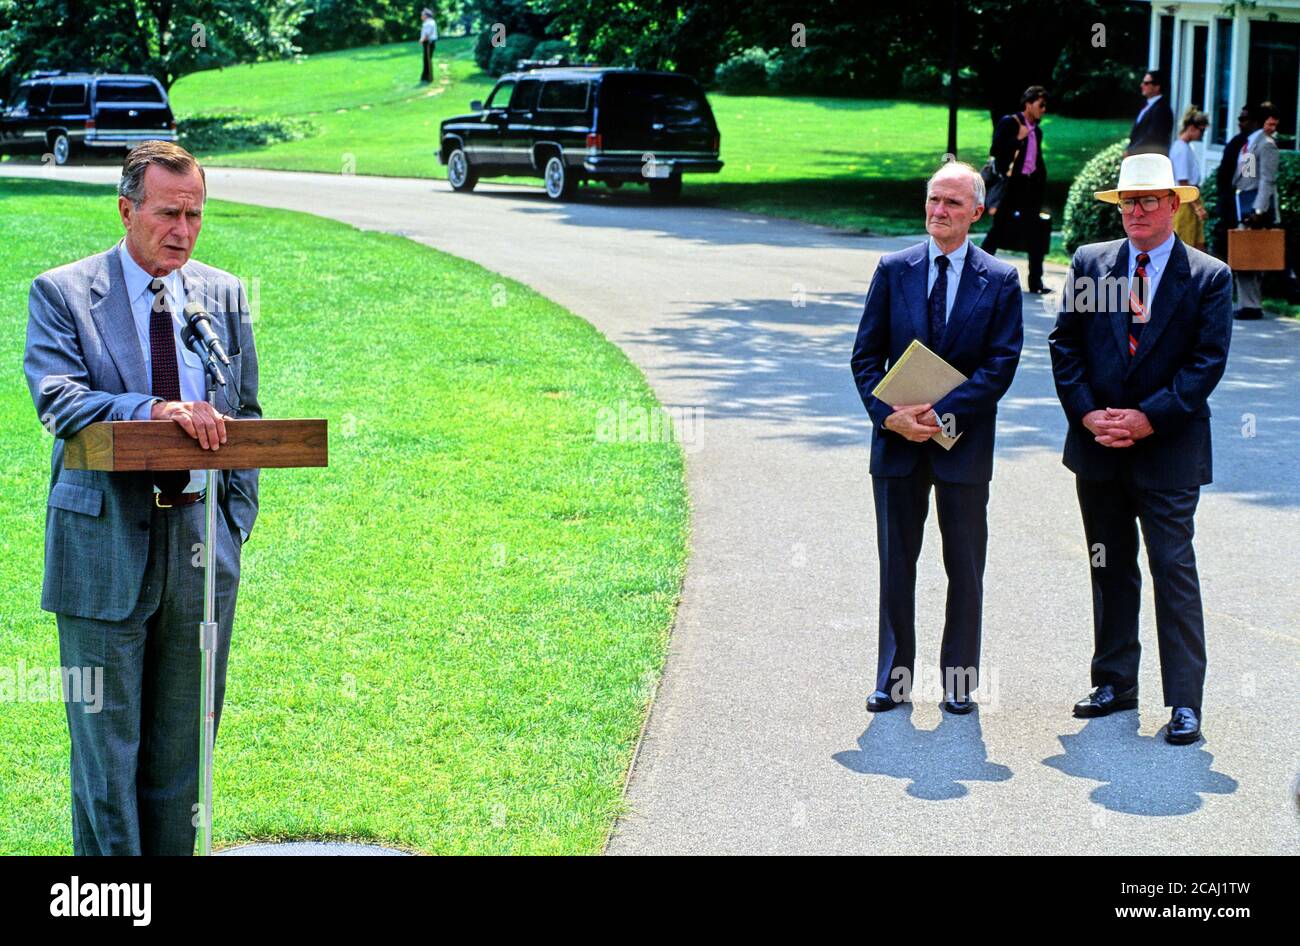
208	644
208	626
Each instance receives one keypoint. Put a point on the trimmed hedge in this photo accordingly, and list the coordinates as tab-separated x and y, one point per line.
1088	220
746	73
218	132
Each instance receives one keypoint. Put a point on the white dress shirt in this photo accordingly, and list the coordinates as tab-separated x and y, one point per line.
190	367
956	260
428	30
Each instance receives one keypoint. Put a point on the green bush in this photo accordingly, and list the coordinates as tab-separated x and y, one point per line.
1288	202
554	49
746	72
217	132
1088	220
505	58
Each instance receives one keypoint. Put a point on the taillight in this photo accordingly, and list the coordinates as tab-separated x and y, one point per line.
90	124
717	142
593	142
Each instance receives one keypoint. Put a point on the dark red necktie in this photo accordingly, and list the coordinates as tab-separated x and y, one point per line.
166	382
1137	303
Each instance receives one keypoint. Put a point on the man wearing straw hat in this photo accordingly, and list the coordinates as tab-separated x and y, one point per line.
1141	340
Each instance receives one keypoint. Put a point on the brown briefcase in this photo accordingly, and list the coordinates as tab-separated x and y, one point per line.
1256	250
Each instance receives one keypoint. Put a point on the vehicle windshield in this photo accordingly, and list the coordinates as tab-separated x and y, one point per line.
20	98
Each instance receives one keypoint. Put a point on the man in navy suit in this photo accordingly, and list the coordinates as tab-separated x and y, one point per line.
1134	369
1153	129
964	305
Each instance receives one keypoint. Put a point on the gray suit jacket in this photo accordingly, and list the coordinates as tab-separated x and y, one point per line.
1263	179
84	364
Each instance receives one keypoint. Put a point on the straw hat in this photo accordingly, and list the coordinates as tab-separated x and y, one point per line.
1147	172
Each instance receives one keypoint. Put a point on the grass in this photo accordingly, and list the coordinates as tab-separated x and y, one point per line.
447	640
852	163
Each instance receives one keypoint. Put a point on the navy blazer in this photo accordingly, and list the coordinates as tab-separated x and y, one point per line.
982	341
1154	131
1180	358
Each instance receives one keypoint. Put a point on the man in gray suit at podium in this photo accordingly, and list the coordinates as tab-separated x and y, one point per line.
123	562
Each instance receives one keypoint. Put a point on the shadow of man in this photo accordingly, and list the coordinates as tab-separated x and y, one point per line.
935	762
1140	775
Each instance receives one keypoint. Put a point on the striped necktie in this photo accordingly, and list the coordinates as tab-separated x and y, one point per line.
1137	303
166	381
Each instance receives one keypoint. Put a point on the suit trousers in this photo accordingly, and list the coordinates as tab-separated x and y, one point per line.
1249	289
902	504
135	761
1025	195
1112	511
427	48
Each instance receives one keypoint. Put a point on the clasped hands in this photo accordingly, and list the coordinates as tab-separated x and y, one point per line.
1118	426
917	422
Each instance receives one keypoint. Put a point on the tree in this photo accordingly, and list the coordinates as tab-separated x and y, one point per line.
163	38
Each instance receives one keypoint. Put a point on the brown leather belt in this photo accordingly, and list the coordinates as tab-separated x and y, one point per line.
184	499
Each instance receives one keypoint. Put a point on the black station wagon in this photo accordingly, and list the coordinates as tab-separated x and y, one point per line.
59	113
569	124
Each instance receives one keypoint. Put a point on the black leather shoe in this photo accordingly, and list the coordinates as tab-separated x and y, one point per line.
1249	315
959	707
1104	700
1184	726
881	702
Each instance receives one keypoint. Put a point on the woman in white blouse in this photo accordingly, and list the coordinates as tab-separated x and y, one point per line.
1189	221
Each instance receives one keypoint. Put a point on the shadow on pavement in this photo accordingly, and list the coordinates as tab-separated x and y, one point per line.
934	762
1140	775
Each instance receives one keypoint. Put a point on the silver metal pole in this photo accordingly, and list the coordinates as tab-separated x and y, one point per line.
208	650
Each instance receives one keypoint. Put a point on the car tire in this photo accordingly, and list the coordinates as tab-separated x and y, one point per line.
460	173
60	147
666	190
560	181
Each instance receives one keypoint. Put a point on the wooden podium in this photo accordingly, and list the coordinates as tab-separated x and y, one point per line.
140	445
147	445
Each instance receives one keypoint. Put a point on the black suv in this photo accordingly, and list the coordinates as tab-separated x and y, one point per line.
569	124
60	112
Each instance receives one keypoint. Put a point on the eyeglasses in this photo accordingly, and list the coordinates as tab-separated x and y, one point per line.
1149	204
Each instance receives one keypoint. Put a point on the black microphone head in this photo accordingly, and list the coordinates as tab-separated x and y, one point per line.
198	320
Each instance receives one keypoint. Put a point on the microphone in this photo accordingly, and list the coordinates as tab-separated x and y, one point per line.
197	320
195	344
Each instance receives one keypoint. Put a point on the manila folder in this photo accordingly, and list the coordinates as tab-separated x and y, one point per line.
919	377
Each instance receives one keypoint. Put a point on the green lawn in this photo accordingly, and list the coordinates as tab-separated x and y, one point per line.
850	163
446	641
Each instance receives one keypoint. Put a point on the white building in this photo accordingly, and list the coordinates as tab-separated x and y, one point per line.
1221	56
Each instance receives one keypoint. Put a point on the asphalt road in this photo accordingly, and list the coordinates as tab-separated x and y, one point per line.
759	741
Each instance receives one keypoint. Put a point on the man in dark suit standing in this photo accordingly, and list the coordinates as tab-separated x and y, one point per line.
1153	129
1140	342
965	306
1225	190
1017	153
